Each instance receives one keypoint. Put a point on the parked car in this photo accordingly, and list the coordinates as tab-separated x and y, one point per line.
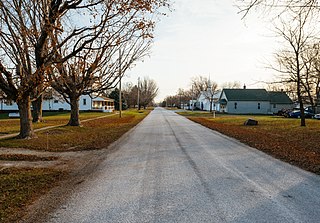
317	116
283	112
297	114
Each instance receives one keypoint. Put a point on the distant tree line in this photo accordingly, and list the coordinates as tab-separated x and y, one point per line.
140	95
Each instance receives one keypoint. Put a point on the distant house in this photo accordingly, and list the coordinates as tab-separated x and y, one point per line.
203	102
8	105
86	103
253	101
279	100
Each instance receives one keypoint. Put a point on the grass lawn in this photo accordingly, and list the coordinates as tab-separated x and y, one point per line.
9	126
20	187
95	134
280	137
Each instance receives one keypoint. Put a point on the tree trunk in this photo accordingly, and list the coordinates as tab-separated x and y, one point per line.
26	128
74	115
302	116
37	110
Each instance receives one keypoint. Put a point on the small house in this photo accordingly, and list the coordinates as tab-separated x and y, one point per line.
203	102
86	103
253	101
279	100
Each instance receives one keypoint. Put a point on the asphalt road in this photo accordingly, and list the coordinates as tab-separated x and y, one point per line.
170	169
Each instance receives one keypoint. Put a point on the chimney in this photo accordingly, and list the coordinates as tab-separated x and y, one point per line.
244	86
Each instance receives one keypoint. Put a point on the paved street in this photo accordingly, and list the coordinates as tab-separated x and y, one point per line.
170	169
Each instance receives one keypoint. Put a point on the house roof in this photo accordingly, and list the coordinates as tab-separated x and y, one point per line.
246	94
102	98
279	97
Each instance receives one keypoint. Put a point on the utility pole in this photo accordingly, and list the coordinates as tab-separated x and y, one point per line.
120	94
192	97
138	93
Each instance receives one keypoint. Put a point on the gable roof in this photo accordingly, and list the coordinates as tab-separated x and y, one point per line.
246	94
279	97
102	98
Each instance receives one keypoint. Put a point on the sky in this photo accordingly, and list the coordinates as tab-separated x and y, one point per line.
208	38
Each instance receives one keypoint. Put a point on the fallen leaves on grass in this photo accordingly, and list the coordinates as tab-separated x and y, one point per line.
20	187
94	134
24	157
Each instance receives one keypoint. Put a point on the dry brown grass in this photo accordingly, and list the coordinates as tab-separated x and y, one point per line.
20	187
24	157
9	126
94	134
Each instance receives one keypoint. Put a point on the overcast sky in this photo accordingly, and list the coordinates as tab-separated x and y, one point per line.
206	37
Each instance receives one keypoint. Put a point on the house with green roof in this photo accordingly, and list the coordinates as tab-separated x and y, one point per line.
279	100
253	101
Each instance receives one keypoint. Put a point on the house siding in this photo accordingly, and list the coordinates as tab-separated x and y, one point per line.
279	107
4	106
204	103
248	107
56	105
253	101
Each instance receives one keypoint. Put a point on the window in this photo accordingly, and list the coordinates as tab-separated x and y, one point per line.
274	105
55	101
8	102
235	105
84	101
259	106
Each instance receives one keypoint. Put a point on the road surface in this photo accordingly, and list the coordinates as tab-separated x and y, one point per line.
169	169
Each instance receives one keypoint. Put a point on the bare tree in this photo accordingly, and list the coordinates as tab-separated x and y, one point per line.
203	85
199	83
25	27
26	47
148	91
232	85
123	38
295	30
34	32
172	101
294	22
280	6
311	77
94	71
130	94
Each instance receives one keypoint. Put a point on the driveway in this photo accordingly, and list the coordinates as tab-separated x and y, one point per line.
169	169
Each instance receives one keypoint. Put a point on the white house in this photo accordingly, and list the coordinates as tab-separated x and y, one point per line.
8	105
203	102
253	101
86	103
